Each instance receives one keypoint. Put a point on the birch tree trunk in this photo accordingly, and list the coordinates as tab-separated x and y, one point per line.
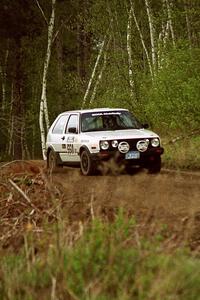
170	21
188	25
129	50
152	34
44	116
100	75
166	34
162	40
142	40
93	73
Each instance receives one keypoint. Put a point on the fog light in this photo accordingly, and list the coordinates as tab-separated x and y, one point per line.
114	144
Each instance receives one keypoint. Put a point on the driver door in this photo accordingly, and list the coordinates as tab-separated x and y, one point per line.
70	139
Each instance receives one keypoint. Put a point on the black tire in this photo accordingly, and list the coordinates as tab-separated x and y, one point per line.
155	166
52	164
87	165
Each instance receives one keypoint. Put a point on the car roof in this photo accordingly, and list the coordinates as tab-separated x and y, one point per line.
81	111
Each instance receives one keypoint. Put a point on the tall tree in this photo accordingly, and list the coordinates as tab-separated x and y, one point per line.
94	71
129	50
44	115
152	33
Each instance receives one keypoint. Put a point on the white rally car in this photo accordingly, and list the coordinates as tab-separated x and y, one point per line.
88	137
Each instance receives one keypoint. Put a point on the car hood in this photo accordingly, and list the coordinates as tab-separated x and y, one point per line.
121	134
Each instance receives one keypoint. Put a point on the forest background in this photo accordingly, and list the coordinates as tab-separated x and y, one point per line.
143	55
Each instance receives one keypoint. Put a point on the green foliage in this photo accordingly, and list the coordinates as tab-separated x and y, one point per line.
173	99
106	262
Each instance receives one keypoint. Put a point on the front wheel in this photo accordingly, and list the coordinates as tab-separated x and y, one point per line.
87	165
155	165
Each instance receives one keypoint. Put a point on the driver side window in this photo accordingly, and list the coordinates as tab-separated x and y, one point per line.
72	123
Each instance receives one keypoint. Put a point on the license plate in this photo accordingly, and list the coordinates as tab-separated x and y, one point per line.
132	155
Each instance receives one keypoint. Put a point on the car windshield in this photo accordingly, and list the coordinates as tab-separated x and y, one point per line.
112	120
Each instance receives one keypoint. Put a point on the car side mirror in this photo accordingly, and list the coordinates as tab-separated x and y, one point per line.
72	130
145	126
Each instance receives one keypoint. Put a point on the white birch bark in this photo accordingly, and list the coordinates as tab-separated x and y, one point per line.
142	39
170	21
44	116
188	26
99	76
162	40
42	12
129	50
166	34
42	130
152	33
159	52
93	73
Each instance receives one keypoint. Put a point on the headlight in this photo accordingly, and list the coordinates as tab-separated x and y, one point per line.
104	145
155	142
114	144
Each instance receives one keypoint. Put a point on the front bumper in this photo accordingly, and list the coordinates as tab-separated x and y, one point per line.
145	157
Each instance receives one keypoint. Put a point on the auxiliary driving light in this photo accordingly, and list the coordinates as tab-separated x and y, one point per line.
104	145
114	144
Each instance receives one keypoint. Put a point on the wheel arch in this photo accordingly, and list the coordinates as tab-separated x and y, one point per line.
82	148
58	159
50	148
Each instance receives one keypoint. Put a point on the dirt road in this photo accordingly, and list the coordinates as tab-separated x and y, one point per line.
169	200
169	194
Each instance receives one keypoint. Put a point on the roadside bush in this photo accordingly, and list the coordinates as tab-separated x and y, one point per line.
108	261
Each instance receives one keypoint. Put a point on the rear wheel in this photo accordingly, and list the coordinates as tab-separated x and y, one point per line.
155	165
52	164
87	165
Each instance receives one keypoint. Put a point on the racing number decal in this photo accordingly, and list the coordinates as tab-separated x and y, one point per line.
70	149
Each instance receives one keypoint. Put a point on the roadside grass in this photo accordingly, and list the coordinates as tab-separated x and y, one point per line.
99	260
182	154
